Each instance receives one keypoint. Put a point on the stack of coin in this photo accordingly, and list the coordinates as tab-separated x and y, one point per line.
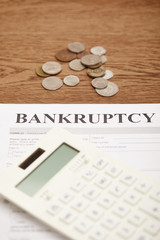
99	74
74	50
79	59
47	70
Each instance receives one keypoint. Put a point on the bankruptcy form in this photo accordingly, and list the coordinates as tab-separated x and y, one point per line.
129	132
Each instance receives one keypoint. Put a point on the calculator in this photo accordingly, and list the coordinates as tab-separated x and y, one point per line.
82	192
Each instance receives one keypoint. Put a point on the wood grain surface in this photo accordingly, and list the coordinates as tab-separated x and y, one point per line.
32	31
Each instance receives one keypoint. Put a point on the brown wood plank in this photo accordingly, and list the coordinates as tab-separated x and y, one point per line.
33	31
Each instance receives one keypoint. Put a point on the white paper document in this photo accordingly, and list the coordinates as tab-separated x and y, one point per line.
128	132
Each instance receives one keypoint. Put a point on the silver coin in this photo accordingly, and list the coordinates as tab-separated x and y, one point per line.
76	47
90	60
109	91
103	59
76	65
108	74
98	50
71	80
52	68
99	83
52	83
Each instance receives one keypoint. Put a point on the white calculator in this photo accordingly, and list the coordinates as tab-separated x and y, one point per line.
82	192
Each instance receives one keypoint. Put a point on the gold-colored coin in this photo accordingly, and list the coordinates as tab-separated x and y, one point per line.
97	72
40	72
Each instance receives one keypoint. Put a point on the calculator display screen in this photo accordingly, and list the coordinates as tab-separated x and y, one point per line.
47	169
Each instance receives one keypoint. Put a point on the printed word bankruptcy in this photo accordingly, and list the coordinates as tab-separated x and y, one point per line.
85	118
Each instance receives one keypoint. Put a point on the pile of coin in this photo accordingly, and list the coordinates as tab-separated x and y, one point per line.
79	59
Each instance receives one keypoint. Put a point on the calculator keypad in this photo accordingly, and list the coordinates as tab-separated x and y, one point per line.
106	202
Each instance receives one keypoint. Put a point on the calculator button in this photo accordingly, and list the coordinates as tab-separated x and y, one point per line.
98	233
110	221
113	171
114	237
91	193
102	181
106	201
151	207
143	187
94	213
68	216
142	236
137	218
132	197
83	225
80	204
155	194
128	179
47	195
89	174
117	190
100	163
121	210
54	209
126	230
78	185
86	159
152	227
66	197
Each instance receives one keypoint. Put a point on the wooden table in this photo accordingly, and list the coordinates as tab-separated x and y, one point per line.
32	31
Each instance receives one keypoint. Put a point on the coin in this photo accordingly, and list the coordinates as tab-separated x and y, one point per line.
103	59
76	65
40	72
98	72
71	80
76	47
96	66
98	50
109	91
51	68
90	60
99	83
52	83
80	55
65	55
108	74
